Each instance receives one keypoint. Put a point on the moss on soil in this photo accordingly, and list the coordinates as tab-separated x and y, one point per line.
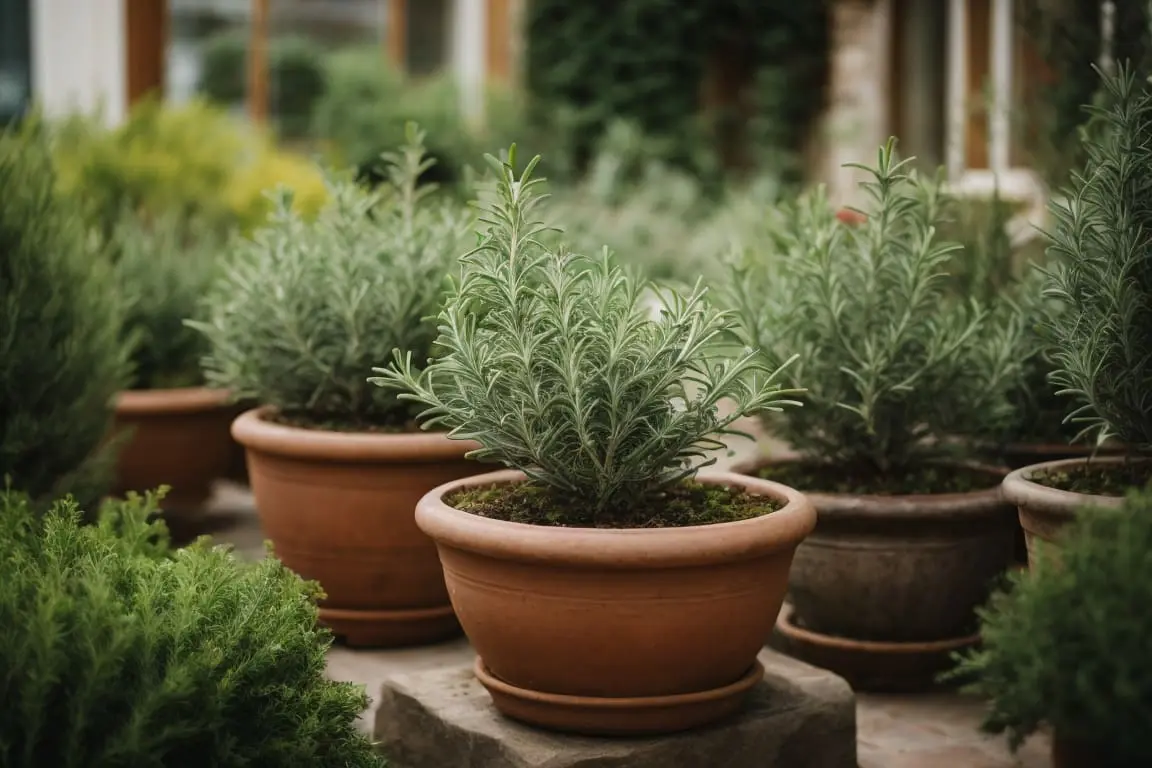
1098	479
329	424
686	503
863	481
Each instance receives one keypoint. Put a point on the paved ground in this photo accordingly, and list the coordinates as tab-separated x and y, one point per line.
925	731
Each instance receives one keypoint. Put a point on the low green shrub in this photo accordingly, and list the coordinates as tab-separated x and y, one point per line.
306	307
62	359
119	653
1066	643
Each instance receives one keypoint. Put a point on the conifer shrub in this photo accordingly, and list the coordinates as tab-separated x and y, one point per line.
554	363
119	652
1102	275
1065	643
62	358
306	307
893	365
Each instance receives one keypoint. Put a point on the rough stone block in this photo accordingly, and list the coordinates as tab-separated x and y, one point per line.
798	717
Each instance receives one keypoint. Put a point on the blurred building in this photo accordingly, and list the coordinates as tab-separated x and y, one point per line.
107	54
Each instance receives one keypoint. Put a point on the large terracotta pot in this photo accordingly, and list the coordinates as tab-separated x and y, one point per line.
176	437
1045	511
340	509
1017	455
604	631
885	588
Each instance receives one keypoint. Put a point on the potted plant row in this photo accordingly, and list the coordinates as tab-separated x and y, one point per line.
174	429
305	310
606	587
1101	335
912	531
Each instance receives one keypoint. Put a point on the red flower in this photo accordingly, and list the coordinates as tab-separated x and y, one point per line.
849	216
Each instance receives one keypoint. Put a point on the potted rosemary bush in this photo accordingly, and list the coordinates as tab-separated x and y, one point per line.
128	653
603	588
1102	337
337	465
910	534
1066	644
177	429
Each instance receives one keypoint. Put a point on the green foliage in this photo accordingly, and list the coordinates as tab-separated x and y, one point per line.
589	64
1066	643
162	268
1102	339
891	365
117	654
307	307
554	363
60	321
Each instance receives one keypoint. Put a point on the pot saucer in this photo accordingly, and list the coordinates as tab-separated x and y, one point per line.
869	665
391	629
594	716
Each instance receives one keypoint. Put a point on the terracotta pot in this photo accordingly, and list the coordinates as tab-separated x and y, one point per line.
177	437
339	509
1070	753
1045	511
603	631
893	570
1017	455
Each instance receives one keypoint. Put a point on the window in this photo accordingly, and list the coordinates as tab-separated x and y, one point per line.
15	58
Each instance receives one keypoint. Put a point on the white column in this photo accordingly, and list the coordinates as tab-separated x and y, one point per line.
1001	64
78	56
469	54
957	104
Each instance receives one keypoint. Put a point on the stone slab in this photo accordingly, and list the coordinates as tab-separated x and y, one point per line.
798	717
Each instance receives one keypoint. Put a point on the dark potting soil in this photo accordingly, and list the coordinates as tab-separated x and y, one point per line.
686	503
867	481
327	424
1098	479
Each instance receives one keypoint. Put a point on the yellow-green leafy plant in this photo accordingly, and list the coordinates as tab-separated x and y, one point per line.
119	652
554	363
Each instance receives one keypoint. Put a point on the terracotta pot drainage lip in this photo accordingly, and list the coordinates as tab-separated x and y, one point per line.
870	665
391	629
592	716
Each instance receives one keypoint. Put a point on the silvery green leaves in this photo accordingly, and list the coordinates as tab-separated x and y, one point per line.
555	363
1102	340
307	307
891	364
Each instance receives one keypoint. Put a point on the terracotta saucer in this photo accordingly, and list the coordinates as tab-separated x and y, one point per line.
867	665
591	716
391	629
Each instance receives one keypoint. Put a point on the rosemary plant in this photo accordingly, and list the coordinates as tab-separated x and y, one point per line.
893	366
307	307
553	362
1103	275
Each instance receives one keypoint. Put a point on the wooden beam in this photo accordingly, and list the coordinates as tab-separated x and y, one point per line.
146	36
498	45
396	40
258	62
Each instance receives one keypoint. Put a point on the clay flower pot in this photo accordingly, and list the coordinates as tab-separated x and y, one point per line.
339	509
177	437
885	588
609	631
1017	455
1044	511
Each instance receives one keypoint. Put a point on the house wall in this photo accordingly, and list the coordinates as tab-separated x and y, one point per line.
78	56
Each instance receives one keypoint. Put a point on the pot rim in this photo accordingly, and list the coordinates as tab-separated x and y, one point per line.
619	548
147	402
987	502
1021	490
255	432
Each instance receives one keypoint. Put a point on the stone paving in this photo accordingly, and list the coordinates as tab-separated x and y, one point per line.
937	730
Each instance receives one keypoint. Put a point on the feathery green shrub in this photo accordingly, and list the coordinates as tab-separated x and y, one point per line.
891	365
62	359
118	653
305	308
553	362
1066	643
1102	275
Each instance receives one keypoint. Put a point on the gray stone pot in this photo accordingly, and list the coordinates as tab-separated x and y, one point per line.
1044	511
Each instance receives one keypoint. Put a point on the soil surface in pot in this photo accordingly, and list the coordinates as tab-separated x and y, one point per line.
1112	479
686	503
866	481
307	421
